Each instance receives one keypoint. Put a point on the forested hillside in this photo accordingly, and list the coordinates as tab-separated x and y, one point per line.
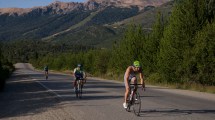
64	28
179	51
64	22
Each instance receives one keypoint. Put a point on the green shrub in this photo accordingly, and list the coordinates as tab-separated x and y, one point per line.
155	78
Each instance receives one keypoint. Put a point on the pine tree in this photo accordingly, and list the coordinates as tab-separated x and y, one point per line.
151	45
0	59
204	52
187	18
129	48
210	10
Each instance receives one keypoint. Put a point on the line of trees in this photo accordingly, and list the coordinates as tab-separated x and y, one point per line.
6	68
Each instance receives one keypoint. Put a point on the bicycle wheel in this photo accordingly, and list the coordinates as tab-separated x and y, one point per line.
79	89
128	107
137	104
76	91
80	92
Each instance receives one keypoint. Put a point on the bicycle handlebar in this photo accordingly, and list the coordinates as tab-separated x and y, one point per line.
81	79
136	84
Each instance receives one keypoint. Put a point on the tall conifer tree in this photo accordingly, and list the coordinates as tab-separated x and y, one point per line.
187	18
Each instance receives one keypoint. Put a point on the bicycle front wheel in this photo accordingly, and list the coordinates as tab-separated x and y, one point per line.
76	91
80	92
79	89
137	104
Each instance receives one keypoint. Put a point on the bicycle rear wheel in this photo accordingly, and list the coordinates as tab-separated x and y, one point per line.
137	104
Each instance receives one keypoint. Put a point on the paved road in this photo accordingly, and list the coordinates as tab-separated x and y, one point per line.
29	97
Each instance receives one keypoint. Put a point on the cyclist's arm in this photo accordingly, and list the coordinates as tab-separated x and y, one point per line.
84	75
127	73
74	72
142	79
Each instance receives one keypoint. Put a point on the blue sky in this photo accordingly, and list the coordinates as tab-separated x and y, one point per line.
30	3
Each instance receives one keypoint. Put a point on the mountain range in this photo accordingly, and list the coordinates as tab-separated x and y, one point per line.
94	22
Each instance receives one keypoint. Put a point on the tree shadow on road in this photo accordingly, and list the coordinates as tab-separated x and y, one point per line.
172	112
101	84
23	96
87	97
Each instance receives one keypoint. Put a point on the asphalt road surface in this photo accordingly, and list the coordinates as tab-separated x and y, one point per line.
28	96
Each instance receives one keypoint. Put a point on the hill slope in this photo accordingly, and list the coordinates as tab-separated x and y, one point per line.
90	23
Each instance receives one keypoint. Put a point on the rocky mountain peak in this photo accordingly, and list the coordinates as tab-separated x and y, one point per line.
127	3
58	7
13	11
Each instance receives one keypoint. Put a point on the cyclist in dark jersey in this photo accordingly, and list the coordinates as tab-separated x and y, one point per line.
79	74
46	69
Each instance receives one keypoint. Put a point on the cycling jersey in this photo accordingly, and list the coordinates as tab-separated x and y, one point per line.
46	68
131	75
79	73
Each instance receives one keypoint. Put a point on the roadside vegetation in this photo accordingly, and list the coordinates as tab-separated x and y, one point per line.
178	53
6	68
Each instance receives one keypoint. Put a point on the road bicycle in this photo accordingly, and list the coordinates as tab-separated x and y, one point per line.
79	88
134	100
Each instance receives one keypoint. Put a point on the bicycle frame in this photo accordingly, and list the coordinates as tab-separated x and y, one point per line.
134	99
79	87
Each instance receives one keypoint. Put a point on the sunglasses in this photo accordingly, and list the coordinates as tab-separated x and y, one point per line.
136	67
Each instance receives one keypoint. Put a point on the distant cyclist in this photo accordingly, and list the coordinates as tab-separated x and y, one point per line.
46	70
130	76
79	74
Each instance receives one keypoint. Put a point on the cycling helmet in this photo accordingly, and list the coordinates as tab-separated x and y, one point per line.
136	64
78	65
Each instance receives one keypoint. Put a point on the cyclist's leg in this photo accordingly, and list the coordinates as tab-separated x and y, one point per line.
46	75
127	89
82	82
75	83
134	81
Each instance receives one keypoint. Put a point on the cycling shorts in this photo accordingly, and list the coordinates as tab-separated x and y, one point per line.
129	79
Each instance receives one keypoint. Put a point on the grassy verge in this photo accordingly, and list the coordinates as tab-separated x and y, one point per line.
186	86
183	86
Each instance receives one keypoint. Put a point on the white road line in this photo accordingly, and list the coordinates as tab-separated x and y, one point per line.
49	90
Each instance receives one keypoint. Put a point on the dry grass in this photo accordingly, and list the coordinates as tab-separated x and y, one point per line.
187	86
